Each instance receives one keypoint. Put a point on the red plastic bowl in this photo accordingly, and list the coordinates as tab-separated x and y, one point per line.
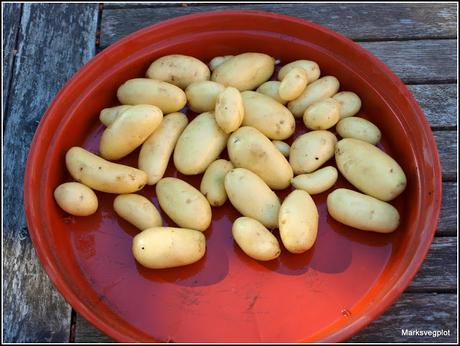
326	294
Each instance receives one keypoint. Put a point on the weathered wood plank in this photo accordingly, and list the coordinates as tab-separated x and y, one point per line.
85	332
447	148
448	217
421	311
439	103
55	40
11	21
369	21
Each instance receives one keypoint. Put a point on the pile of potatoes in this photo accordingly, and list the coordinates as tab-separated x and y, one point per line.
242	110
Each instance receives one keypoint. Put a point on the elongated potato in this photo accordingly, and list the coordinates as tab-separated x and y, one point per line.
137	210
129	130
218	60
168	97
180	70
108	115
271	89
320	89
200	143
255	240
298	221
283	147
311	150
245	71
158	148
362	212
359	128
293	84
202	95
322	115
212	184
76	199
370	169
249	148
102	175
249	194
229	110
268	116
184	204
317	182
310	67
350	103
168	247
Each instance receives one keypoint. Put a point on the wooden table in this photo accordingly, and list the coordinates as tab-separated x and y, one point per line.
45	44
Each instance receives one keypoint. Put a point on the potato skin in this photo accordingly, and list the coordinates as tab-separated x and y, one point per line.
320	89
298	221
200	143
184	204
76	199
310	67
283	147
180	70
370	169
293	84
108	115
158	148
218	60
311	150
268	116
245	71
361	211
249	148
350	103
229	110
212	183
168	247
137	210
359	128
255	240
322	115
129	130
317	182
168	97
271	89
102	175
249	194
202	95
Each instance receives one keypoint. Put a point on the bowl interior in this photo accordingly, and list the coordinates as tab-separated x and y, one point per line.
327	293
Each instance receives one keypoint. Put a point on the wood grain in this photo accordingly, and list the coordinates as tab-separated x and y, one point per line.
357	21
447	148
448	217
55	40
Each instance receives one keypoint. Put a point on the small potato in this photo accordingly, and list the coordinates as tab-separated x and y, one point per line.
249	148
218	60
293	84
76	199
180	70
322	115
370	169
168	97
200	143
319	90
350	103
311	150
108	115
317	182
271	89
310	67
202	95
255	240
268	116
249	194
229	110
102	175
168	247
158	148
298	221
283	147
359	128
184	204
129	130
137	210
245	71
362	212
212	183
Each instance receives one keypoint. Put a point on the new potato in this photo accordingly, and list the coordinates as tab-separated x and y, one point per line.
229	109
108	115
76	199
283	147
271	89
350	103
317	182
293	84
322	115
358	128
212	184
137	210
310	67
202	96
218	60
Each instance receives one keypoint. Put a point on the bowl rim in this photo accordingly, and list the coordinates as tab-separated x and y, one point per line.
339	335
